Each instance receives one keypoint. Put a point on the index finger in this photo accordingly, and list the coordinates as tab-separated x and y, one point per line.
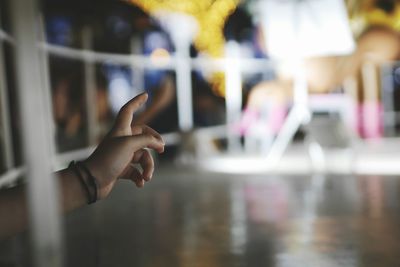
125	115
140	129
146	141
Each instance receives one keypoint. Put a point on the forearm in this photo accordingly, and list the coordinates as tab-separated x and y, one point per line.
14	204
13	211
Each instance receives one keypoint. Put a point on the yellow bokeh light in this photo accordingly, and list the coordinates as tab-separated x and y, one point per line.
210	15
365	13
160	57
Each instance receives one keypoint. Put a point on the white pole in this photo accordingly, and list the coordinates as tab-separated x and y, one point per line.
298	115
233	85
42	187
182	38
184	87
46	87
137	70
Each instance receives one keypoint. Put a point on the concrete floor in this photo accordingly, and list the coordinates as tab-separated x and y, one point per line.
188	218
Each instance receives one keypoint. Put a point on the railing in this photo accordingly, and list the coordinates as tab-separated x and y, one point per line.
137	62
89	58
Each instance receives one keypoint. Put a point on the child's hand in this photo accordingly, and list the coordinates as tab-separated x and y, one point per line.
125	145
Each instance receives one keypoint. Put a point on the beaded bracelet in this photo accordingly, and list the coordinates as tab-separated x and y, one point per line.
88	182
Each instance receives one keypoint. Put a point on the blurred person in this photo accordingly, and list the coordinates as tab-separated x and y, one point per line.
104	113
59	30
376	45
115	24
240	28
125	146
145	37
68	111
161	111
208	109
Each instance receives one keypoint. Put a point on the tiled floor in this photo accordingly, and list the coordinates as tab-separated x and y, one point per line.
196	219
185	218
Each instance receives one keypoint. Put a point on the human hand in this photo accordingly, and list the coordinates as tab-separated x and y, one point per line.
125	145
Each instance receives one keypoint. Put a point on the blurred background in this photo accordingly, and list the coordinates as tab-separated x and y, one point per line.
281	121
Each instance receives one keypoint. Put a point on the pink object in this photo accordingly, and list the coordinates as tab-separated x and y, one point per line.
249	118
276	118
371	119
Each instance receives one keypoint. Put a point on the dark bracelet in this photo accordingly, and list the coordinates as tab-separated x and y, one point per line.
88	182
92	181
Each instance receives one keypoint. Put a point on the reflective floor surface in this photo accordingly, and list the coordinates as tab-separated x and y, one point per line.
185	218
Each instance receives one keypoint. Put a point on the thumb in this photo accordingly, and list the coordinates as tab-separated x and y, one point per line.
125	115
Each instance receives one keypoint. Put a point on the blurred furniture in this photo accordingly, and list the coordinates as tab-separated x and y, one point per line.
296	30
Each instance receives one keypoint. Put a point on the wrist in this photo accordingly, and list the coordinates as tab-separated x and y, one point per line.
73	194
87	181
101	171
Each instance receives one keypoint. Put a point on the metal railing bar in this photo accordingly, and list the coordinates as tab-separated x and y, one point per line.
246	64
11	176
6	37
100	57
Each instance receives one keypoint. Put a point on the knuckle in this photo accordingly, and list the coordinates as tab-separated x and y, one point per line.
153	138
148	137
